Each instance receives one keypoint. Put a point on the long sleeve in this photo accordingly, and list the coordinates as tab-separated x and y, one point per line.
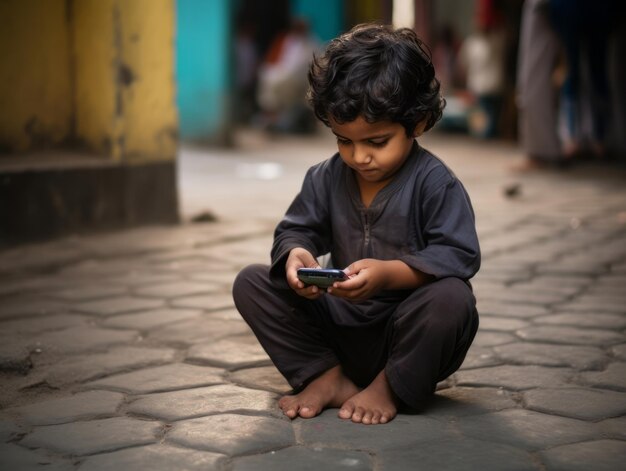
447	242
306	223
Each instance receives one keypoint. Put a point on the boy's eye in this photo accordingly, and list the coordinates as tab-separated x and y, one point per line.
343	142
379	143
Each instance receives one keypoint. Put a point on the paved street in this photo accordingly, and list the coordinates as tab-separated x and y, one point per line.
123	351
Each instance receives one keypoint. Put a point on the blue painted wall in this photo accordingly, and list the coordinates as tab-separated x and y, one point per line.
326	17
203	68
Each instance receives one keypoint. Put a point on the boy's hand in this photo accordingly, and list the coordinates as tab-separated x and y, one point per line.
367	277
301	258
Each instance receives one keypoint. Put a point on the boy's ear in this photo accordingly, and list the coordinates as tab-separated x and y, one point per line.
419	129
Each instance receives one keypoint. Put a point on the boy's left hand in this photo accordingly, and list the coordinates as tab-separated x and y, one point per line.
367	277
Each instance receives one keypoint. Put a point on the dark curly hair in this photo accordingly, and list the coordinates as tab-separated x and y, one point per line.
378	73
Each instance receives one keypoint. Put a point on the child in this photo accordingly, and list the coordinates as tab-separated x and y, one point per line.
395	217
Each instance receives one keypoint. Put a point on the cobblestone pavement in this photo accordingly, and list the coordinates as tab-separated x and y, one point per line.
124	351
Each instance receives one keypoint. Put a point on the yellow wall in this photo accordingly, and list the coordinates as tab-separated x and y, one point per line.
101	73
124	77
35	79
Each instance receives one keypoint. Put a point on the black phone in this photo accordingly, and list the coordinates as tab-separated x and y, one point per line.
321	277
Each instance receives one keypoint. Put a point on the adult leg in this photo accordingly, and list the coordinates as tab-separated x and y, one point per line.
432	331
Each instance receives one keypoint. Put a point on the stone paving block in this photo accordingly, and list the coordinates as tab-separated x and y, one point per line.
403	431
538	298
614	428
16	458
594	304
36	325
182	266
22	306
577	403
174	290
565	286
307	459
94	436
8	430
198	402
225	315
153	458
598	455
94	266
92	366
619	351
526	429
120	305
577	356
233	434
88	292
490	339
81	406
161	378
457	454
20	284
479	357
613	377
516	378
14	355
591	320
570	335
502	308
459	401
223	277
141	278
151	319
232	352
204	329
502	324
207	302
81	339
571	268
264	377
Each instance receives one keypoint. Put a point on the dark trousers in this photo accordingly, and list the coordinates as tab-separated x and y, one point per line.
418	340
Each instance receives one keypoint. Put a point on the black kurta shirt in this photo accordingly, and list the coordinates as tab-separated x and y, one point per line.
423	217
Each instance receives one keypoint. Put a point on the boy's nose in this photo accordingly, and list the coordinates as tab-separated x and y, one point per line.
361	155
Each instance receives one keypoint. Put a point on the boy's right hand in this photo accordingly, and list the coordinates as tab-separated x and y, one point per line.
301	258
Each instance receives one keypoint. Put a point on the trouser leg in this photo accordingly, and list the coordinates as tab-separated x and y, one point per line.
287	326
431	333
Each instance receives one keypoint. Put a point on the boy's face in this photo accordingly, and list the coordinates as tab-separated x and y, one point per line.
375	151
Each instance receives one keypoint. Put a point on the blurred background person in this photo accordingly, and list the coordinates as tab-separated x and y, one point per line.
482	59
246	69
282	81
584	27
537	87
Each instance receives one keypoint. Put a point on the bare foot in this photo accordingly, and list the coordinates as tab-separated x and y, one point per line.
376	404
330	389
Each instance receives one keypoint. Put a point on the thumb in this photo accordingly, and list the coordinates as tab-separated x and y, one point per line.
352	269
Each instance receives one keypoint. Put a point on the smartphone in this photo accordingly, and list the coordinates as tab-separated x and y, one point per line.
322	277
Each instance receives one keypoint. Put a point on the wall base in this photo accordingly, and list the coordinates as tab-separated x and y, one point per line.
43	203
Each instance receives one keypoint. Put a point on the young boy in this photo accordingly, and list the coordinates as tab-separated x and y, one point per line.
398	222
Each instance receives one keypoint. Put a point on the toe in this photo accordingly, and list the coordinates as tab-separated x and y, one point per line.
367	418
357	416
307	412
346	411
376	418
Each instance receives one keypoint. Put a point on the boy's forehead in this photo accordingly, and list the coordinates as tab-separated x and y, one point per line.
360	126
